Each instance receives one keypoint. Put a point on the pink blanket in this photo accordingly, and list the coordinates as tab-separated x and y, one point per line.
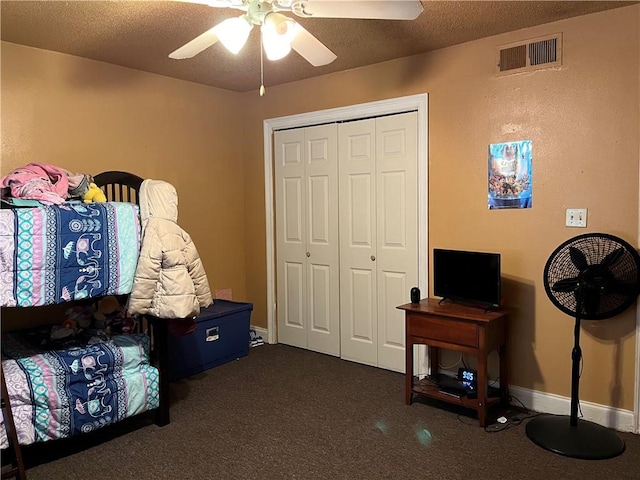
38	181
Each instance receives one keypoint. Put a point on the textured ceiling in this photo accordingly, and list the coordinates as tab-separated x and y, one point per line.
141	34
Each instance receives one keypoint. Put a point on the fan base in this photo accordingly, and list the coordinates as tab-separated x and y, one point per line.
586	440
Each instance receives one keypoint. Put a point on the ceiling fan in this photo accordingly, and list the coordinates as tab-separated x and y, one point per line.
280	34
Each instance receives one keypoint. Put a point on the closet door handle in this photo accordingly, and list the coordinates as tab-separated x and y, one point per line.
308	254
373	258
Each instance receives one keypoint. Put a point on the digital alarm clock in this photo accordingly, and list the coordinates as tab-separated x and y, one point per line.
469	378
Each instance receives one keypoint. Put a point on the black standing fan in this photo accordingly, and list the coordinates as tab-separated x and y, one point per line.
593	276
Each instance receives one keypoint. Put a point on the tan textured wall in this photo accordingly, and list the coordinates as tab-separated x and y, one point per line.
88	116
583	119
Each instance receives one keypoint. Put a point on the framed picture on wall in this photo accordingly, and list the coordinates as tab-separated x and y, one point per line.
510	175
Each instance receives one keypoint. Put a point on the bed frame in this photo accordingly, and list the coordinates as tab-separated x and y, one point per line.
118	187
125	187
16	464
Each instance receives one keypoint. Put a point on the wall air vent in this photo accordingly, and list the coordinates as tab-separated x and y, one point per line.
543	52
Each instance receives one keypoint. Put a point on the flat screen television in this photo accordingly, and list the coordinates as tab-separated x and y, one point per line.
467	277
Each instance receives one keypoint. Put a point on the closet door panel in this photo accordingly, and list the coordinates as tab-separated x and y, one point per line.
356	147
319	299
397	235
292	234
391	334
323	281
392	219
293	296
359	211
358	327
291	263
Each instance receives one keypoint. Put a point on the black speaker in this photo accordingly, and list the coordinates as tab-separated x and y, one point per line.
415	295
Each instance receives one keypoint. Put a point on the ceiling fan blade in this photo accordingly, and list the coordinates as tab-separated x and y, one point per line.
196	45
380	9
312	49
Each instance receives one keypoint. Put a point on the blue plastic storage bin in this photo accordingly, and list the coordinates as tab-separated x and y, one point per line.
222	335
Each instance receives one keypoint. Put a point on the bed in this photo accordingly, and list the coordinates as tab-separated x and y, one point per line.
61	384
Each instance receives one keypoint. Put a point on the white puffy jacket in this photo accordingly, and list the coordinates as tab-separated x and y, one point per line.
170	281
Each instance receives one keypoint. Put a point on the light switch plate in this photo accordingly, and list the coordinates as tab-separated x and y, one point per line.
576	217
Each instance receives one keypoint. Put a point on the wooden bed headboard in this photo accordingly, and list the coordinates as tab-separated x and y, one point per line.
119	186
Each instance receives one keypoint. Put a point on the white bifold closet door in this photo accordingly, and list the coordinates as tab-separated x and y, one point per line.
378	236
346	237
306	185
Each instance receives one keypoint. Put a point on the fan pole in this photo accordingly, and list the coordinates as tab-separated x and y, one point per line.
571	436
576	356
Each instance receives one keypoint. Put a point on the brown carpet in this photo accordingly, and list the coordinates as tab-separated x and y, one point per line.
287	413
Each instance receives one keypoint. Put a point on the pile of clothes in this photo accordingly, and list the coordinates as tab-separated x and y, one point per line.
84	324
47	184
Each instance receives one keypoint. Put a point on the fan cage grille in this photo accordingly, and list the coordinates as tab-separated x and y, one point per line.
595	247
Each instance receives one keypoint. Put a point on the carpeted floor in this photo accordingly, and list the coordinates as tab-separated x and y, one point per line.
287	413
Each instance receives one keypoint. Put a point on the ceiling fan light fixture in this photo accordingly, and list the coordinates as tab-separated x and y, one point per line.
278	32
276	51
234	32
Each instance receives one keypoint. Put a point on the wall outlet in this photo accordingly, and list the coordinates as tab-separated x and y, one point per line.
576	217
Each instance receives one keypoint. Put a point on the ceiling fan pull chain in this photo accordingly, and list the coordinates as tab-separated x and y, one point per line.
261	68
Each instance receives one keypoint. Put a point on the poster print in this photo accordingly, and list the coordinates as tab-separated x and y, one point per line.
510	175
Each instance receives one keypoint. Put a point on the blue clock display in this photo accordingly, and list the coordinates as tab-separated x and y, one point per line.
468	378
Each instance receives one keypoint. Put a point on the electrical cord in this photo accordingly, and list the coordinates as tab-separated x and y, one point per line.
514	421
510	423
496	427
447	367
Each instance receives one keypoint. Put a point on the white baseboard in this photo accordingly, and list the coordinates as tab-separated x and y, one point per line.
610	417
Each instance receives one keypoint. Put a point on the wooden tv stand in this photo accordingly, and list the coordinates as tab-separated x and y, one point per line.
457	327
